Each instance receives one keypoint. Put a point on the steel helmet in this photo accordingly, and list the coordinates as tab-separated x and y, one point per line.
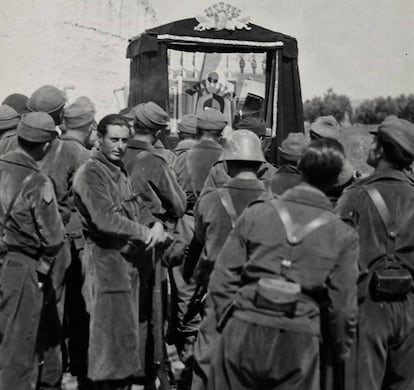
243	145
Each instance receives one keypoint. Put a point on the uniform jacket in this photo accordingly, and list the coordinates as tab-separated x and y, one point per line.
155	182
398	193
8	142
110	212
168	154
34	226
213	224
74	226
183	146
324	263
193	167
286	177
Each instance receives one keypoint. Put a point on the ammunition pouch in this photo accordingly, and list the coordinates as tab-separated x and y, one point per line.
391	283
277	295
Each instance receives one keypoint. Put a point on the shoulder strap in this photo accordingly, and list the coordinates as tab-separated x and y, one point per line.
296	233
382	209
227	202
13	201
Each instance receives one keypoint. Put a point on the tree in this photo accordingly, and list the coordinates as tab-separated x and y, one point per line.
330	104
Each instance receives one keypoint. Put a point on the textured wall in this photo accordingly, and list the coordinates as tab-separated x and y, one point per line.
78	43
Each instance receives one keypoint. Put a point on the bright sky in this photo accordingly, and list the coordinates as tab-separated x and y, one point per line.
360	48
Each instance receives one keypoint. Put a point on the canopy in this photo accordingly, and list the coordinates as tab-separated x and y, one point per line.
149	66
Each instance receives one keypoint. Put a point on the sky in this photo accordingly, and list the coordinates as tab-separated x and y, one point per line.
363	49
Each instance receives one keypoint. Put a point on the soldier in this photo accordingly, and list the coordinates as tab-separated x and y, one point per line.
381	205
32	233
193	167
215	214
9	120
168	154
218	174
79	121
282	260
288	175
60	165
187	134
150	173
115	242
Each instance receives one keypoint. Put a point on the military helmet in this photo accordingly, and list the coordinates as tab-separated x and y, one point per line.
243	145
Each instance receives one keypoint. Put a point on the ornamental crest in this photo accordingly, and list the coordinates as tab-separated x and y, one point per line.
222	16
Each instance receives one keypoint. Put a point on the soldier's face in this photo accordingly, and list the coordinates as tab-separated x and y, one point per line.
114	143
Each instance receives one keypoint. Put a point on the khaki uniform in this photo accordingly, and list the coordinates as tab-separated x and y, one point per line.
111	218
286	177
34	229
266	348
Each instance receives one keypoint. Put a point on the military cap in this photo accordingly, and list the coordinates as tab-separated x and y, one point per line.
46	99
400	131
37	127
211	119
80	113
151	115
9	118
243	145
326	127
256	125
17	101
188	124
293	146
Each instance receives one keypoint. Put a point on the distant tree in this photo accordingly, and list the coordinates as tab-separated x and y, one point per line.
376	110
330	104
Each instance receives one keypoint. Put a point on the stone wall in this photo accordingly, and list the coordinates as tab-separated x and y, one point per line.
77	44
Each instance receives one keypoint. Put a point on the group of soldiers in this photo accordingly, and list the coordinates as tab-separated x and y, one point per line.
112	246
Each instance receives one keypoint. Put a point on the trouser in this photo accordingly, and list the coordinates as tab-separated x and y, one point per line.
76	321
207	339
384	346
251	356
51	331
20	311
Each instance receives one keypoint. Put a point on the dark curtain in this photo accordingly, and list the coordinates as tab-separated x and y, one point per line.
149	75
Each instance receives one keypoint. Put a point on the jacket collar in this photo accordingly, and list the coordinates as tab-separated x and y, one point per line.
386	174
288	168
18	157
206	143
245	184
307	194
138	144
114	170
184	144
66	137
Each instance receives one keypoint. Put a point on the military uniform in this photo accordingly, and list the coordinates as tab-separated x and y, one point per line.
212	227
111	218
33	235
385	340
154	180
286	177
168	155
324	264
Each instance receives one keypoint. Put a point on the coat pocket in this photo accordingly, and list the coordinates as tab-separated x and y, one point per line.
113	273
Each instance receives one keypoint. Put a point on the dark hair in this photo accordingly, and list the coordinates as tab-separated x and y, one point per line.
321	162
393	152
111	119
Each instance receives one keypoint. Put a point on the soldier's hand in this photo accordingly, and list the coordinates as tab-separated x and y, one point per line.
157	235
